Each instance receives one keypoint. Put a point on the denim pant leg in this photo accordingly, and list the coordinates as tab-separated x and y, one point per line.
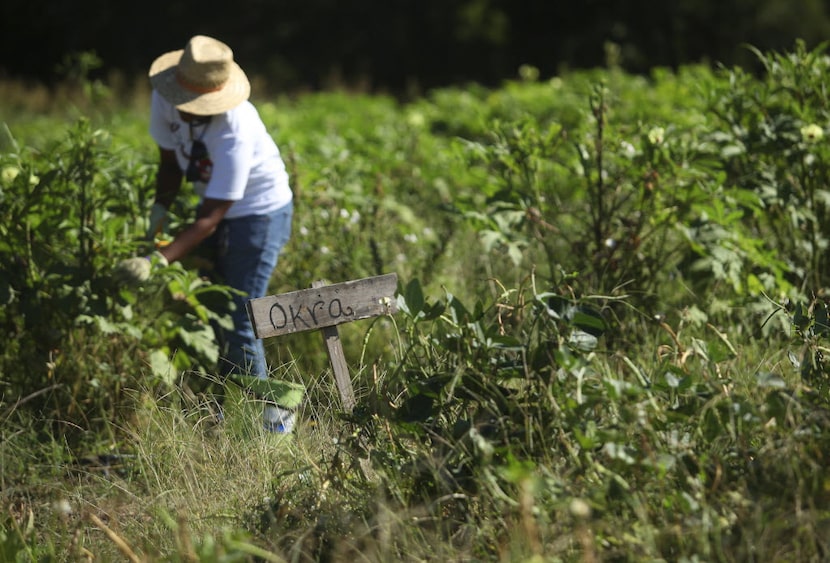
247	253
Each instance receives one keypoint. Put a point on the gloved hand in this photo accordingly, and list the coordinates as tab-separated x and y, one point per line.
158	221
138	269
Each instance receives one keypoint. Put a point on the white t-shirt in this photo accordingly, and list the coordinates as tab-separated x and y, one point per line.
243	163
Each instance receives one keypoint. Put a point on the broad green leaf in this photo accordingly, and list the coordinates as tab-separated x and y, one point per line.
163	369
414	296
284	393
199	338
770	380
514	250
589	320
583	341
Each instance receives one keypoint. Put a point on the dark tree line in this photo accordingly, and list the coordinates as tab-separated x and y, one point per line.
393	44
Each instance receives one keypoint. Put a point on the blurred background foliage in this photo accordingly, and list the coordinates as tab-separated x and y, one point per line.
404	46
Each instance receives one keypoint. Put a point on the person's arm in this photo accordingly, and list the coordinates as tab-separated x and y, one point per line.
168	178
211	213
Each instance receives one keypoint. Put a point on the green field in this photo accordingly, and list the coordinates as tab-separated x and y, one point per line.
610	344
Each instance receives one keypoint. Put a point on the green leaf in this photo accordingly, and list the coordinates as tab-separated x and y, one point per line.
617	388
460	314
800	320
199	338
163	369
6	294
589	321
796	363
586	442
514	250
583	341
619	452
770	380
414	296
284	393
490	239
823	196
730	151
505	342
435	310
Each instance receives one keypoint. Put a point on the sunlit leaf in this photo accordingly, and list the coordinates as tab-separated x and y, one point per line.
770	380
284	393
199	338
672	380
583	341
162	368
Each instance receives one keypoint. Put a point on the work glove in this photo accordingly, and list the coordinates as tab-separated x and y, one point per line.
138	269
158	221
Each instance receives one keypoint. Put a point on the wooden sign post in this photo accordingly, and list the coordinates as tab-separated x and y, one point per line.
324	307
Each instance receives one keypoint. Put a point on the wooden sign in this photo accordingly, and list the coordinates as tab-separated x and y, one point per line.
323	305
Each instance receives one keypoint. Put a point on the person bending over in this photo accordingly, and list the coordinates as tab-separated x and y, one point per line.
210	134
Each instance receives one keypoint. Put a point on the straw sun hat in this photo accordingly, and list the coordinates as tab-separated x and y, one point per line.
202	78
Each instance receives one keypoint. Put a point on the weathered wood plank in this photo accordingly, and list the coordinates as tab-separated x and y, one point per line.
337	358
319	307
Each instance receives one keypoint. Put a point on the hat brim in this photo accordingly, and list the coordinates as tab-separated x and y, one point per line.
163	78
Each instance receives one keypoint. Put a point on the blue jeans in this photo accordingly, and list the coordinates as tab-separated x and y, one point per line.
245	252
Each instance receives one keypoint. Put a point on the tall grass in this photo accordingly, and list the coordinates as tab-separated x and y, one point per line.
725	483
